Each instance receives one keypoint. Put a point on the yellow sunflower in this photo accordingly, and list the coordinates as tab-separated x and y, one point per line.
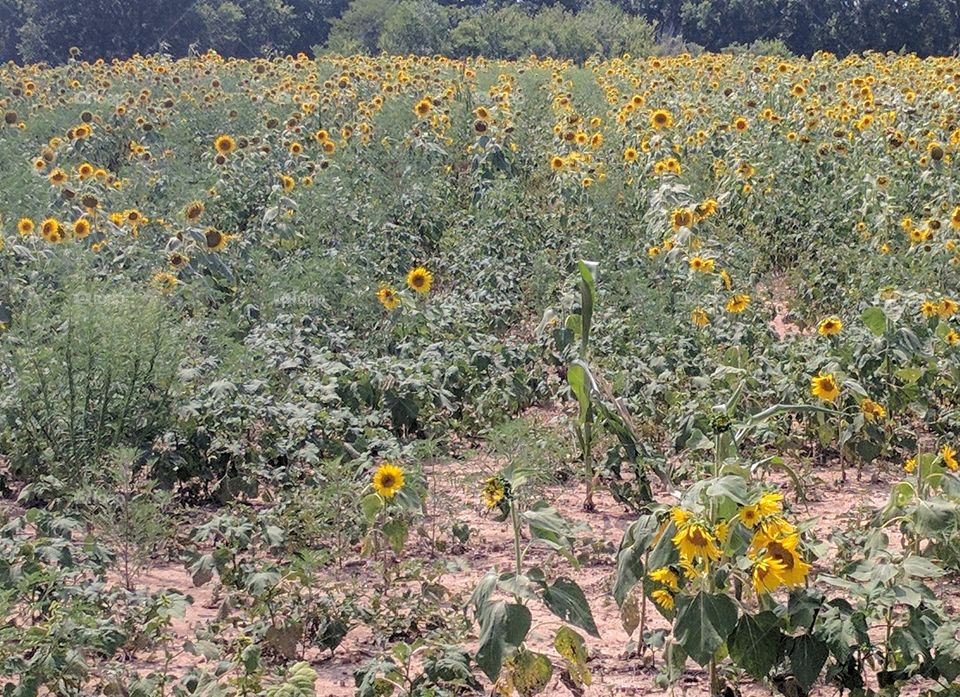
164	281
663	598
388	297
388	480
825	387
224	144
661	118
25	226
949	456
420	280
694	541
738	303
700	317
766	575
829	326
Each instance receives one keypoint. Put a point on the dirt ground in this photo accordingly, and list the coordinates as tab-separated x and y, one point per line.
490	545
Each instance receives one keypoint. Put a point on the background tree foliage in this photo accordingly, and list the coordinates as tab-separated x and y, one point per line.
46	30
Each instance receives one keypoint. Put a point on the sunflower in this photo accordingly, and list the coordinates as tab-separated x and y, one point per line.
287	182
770	504
738	303
178	260
224	144
388	480
705	209
653	251
495	490
910	465
388	297
700	317
164	281
824	386
423	108
681	217
947	308
663	598
767	575
215	240
57	176
680	517
701	264
661	118
829	326
741	124
193	211
872	411
25	227
420	280
50	230
929	308
749	516
329	147
556	163
85	171
725	278
667	577
81	228
952	337
949	456
955	218
694	541
795	569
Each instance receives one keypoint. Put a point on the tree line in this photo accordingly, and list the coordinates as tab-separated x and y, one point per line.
53	30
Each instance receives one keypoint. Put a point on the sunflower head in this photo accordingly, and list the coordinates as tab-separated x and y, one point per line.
661	118
420	280
388	480
388	297
829	326
164	281
224	144
193	211
25	227
824	386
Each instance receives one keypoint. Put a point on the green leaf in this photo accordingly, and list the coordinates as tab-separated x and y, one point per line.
503	628
588	297
567	601
530	673
396	533
371	505
754	644
703	623
582	385
874	320
808	656
633	547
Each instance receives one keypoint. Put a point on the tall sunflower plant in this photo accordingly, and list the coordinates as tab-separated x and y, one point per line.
725	566
394	498
501	600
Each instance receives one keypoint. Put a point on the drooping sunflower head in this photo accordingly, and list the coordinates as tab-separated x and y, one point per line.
824	386
388	480
700	317
178	260
224	144
388	297
947	308
872	411
193	211
420	280
214	239
829	326
738	303
681	217
766	575
164	281
495	491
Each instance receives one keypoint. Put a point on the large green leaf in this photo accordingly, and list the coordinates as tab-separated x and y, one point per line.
633	547
503	627
583	386
703	623
588	297
754	644
807	657
875	320
567	601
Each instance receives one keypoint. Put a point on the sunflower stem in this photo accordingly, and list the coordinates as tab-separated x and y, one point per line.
518	558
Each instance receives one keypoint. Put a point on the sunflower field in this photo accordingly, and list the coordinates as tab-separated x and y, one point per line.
413	376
